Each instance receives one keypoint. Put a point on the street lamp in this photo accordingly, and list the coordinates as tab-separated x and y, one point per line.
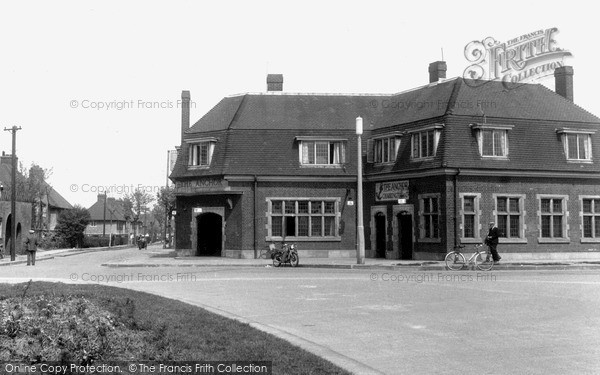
360	251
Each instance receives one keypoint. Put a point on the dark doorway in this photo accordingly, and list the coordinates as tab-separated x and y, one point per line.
19	240
380	236
405	235
210	234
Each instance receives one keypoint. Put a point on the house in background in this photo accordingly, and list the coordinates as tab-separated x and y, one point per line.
108	216
56	204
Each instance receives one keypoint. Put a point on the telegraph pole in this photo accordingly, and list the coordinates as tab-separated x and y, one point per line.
13	194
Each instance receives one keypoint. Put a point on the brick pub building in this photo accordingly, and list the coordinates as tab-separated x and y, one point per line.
440	162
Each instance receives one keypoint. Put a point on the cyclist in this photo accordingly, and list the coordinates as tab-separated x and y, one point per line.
492	241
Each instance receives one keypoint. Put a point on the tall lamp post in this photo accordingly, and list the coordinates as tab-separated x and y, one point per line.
360	251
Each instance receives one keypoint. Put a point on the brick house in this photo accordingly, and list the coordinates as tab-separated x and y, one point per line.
440	162
108	216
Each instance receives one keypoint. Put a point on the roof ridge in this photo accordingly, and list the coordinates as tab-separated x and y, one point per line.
569	101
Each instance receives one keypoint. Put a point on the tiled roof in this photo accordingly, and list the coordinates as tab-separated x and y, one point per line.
256	133
112	205
57	200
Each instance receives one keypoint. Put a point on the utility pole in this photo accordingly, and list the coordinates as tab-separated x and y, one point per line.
13	194
104	217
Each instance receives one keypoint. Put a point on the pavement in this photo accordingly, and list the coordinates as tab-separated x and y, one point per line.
155	256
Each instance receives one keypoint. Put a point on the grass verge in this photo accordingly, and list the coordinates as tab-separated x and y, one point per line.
44	322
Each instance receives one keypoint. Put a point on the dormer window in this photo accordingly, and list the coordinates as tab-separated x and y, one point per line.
492	140
424	141
320	152
383	149
577	144
200	152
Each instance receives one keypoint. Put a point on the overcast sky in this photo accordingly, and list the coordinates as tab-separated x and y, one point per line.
61	58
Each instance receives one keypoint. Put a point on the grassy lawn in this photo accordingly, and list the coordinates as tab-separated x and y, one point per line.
86	324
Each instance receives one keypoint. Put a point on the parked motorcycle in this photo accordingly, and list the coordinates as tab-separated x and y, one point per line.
287	254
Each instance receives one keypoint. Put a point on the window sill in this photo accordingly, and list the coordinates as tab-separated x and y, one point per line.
553	240
194	167
471	240
325	166
578	161
428	158
304	239
499	158
590	240
512	240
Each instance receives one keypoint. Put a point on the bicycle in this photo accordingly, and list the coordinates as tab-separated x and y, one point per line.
266	253
455	260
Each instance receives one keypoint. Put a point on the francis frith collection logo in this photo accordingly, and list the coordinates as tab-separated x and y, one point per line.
524	59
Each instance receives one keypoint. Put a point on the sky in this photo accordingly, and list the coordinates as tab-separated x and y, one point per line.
95	85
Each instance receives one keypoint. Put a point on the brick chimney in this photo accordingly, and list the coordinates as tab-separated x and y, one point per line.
185	112
6	159
437	71
563	82
274	82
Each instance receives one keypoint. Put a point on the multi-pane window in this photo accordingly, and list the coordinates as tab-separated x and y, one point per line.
385	149
578	146
120	225
492	140
552	213
200	153
469	216
430	217
591	217
322	152
577	143
509	214
493	143
424	144
309	218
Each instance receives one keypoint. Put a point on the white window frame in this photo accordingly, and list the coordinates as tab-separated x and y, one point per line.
422	217
194	147
437	131
322	238
522	217
565	133
595	217
564	214
339	147
497	130
393	145
477	218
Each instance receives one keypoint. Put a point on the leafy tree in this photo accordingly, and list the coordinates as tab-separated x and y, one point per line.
32	187
165	207
134	204
71	225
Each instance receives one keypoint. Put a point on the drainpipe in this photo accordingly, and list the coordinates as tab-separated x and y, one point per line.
254	214
456	231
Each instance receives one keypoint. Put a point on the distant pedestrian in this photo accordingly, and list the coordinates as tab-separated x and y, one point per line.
492	241
32	242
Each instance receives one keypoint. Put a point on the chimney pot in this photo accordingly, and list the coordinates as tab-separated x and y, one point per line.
274	82
563	82
437	71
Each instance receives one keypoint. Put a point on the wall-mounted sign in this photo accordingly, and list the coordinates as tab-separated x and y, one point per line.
197	210
201	185
391	191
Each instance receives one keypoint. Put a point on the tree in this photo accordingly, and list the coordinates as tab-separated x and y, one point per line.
71	225
33	188
166	202
136	203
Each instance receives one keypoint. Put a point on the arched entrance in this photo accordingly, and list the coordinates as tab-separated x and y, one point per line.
380	235
209	234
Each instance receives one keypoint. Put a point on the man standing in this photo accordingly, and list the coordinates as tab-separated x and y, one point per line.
31	243
492	241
